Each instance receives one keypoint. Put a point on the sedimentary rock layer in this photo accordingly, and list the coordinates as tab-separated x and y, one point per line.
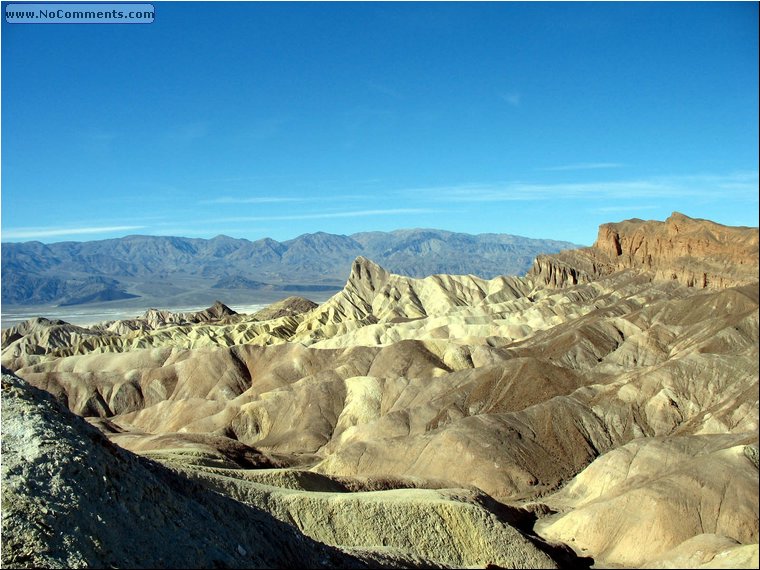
691	252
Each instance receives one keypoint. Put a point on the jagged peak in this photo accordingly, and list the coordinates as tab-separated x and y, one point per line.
366	278
361	260
362	268
678	217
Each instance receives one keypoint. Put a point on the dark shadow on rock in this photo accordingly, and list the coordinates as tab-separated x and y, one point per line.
524	519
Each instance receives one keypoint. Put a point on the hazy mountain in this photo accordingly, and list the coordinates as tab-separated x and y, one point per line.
37	289
81	272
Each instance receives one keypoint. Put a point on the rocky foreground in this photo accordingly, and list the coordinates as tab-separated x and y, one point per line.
601	410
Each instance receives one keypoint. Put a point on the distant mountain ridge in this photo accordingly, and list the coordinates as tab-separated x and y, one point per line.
81	272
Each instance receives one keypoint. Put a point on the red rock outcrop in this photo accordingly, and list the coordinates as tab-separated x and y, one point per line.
692	252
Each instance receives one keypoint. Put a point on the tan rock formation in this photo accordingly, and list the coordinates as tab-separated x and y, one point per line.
448	527
373	295
71	499
640	502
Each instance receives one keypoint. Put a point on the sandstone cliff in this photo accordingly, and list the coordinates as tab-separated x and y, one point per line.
691	252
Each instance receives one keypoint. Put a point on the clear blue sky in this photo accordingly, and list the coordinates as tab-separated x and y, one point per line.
277	119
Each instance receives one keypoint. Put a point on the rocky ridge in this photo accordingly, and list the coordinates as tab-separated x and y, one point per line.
688	251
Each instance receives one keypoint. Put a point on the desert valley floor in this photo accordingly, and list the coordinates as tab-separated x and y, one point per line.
600	411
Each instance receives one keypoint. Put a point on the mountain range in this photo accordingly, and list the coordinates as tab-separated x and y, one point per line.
176	270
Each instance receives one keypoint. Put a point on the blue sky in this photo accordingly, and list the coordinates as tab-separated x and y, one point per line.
278	119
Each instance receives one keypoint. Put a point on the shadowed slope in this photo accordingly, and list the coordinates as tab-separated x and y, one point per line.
71	500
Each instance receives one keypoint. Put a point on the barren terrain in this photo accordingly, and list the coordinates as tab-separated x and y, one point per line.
602	409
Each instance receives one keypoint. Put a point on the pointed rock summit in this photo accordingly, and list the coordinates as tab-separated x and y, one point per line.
288	307
156	318
366	276
372	294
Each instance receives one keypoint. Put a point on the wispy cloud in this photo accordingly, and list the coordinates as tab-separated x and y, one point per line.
361	123
97	140
31	233
624	208
383	89
585	166
188	132
330	215
253	200
284	199
98	135
266	128
736	185
202	231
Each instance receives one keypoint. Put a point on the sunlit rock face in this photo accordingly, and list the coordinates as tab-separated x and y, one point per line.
692	252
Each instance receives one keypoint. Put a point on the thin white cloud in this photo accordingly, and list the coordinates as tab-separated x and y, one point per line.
252	200
31	233
330	215
284	199
99	135
384	89
585	166
737	185
608	209
266	128
201	231
97	140
188	132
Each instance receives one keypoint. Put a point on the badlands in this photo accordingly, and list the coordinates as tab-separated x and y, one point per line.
601	411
